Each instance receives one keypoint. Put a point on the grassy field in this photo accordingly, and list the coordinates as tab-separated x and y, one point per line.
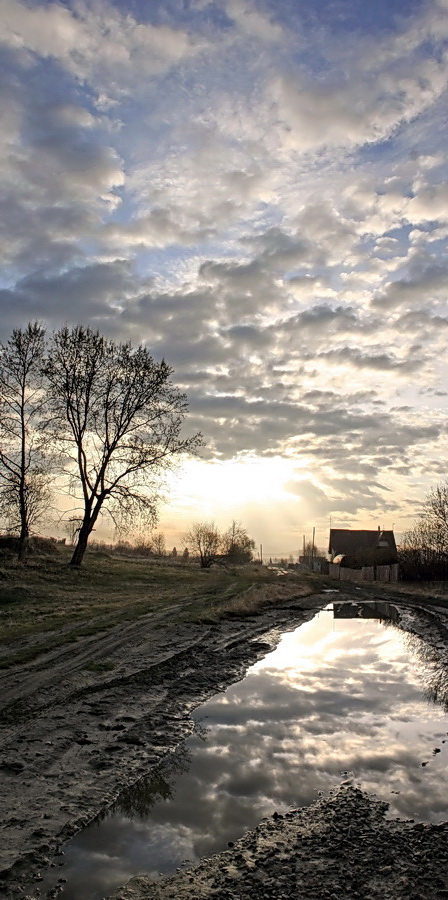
45	603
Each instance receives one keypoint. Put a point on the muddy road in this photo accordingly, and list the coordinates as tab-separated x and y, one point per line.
75	731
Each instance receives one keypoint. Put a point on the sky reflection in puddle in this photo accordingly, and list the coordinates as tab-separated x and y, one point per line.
340	697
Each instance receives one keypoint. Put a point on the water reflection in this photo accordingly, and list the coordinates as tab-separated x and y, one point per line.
434	670
341	694
138	800
382	610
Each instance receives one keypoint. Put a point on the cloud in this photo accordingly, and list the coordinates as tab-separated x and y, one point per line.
383	362
429	204
253	23
94	42
85	292
44	30
425	278
317	499
259	194
339	112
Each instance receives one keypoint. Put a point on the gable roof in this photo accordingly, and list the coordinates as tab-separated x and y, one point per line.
347	540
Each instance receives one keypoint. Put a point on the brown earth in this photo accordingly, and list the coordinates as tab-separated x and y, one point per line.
73	738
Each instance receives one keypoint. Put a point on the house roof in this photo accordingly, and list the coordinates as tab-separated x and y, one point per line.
347	540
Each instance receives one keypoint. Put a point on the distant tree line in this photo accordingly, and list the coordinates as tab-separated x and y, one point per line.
203	542
152	547
98	418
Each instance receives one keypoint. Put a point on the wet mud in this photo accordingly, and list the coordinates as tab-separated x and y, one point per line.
72	738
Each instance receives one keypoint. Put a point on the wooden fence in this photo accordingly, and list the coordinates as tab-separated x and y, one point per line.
367	573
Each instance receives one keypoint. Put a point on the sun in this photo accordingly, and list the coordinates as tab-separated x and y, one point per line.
236	482
251	490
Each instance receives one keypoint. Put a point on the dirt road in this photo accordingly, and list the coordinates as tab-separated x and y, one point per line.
74	733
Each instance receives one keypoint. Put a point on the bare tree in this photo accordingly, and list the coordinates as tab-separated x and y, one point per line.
236	545
423	551
158	544
25	476
204	541
120	422
435	513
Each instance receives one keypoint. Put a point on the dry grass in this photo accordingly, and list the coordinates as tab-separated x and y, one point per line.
259	596
45	604
253	591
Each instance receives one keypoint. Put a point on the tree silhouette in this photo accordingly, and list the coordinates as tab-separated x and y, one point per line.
119	421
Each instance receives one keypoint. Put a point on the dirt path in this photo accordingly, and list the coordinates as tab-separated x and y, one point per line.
72	738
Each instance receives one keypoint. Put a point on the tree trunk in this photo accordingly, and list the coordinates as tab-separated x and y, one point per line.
24	526
23	543
81	545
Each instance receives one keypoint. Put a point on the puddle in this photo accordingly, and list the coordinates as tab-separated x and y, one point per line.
345	695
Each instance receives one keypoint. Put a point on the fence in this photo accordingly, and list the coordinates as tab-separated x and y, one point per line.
367	573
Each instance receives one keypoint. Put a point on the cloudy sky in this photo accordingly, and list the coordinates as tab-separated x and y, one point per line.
257	189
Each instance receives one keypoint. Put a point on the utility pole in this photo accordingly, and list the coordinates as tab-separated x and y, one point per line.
261	554
312	549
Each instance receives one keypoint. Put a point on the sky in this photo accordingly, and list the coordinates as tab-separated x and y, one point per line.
257	190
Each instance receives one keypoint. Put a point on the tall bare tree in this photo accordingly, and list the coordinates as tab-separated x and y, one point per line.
24	473
120	422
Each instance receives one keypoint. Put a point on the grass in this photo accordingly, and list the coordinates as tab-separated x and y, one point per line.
45	604
45	595
254	590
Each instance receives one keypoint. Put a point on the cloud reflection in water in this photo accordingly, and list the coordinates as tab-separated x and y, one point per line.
339	695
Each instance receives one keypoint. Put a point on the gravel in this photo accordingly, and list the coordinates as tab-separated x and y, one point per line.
342	846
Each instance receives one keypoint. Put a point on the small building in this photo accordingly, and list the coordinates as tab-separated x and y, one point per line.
357	548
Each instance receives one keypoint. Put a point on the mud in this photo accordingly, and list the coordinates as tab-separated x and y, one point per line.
71	739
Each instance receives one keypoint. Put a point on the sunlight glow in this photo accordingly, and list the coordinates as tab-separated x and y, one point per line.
236	481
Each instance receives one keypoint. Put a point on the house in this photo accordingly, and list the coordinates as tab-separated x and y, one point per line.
356	549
